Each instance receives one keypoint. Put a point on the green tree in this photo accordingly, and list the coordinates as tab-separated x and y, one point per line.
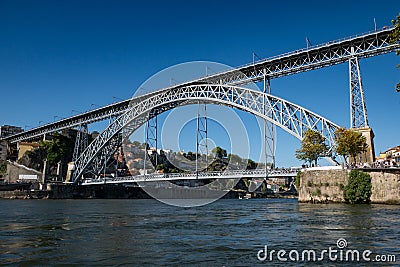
3	167
34	158
358	189
395	34
191	156
136	143
297	180
161	167
219	152
251	164
395	37
312	147
58	149
234	159
350	143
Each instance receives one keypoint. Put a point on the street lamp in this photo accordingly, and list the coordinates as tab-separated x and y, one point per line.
55	116
254	57
94	105
76	111
172	82
117	98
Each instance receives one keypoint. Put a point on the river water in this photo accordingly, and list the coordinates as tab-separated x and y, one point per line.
228	232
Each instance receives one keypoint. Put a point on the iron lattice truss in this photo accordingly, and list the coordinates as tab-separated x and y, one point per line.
81	141
201	138
227	174
331	53
324	55
358	109
292	118
99	114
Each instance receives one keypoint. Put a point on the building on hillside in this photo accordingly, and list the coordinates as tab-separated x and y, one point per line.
23	147
389	158
393	154
10	151
273	187
7	130
134	149
381	157
3	150
396	157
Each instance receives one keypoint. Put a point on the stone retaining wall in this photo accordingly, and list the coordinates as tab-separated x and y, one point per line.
327	185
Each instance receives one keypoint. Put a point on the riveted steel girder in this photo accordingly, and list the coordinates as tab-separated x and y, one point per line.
290	117
324	55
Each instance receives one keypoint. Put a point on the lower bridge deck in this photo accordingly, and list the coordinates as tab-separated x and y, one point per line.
193	176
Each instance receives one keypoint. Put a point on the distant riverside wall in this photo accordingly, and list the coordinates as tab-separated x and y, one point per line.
15	170
323	185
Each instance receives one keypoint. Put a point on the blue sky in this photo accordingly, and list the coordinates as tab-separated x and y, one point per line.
60	56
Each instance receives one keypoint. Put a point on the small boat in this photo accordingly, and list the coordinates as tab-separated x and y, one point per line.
247	196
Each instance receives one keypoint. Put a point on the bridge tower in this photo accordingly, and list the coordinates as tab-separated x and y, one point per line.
201	137
358	110
269	128
151	142
81	141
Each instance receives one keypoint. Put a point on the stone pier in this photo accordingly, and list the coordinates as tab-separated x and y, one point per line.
369	155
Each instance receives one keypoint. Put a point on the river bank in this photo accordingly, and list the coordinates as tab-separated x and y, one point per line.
326	185
120	191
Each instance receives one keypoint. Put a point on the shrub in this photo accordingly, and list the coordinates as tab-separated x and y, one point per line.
318	192
358	189
341	187
297	179
3	167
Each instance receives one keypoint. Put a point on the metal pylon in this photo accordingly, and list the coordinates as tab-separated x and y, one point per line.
269	130
151	142
81	141
358	110
201	136
102	161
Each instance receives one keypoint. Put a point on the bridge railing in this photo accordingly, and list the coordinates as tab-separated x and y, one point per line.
291	53
190	175
118	108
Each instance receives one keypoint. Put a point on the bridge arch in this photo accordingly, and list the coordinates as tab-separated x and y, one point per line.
292	118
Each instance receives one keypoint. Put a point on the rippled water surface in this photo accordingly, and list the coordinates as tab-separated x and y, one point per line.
150	233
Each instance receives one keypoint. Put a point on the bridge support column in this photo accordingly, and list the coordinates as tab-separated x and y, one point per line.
201	136
358	110
369	155
44	173
70	170
151	143
59	171
269	129
81	141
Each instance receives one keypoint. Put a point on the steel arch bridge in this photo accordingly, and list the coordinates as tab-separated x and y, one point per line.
292	118
349	49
